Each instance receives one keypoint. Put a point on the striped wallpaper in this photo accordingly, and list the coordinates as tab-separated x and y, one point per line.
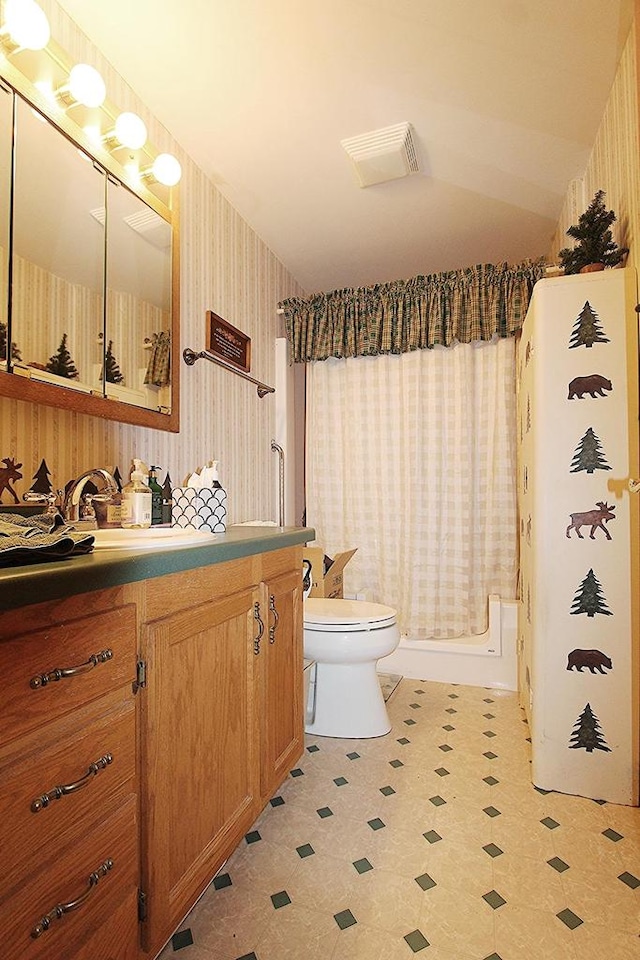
226	268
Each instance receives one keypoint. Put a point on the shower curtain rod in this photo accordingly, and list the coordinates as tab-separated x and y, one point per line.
190	356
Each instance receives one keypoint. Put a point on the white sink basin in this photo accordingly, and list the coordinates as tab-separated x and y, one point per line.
153	538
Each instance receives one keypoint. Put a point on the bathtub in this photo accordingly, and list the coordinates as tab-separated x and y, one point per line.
486	660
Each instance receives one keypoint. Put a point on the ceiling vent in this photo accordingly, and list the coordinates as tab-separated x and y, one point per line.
386	154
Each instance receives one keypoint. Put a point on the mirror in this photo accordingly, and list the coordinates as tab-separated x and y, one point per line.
91	271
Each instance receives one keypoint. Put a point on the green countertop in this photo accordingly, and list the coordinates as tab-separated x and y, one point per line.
37	582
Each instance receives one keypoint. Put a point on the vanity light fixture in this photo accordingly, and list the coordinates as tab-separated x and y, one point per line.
85	86
129	131
25	26
166	170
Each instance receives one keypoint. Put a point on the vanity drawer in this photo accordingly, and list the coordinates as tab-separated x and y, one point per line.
48	673
91	757
110	853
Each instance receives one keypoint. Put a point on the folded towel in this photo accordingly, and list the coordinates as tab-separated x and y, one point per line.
39	538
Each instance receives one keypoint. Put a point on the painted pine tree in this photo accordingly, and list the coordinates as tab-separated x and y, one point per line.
588	454
589	598
61	363
587	329
587	734
112	372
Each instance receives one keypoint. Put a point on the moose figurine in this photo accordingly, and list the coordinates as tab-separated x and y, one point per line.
593	518
10	471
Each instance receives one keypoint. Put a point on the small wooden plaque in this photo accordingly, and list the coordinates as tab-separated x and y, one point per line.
227	342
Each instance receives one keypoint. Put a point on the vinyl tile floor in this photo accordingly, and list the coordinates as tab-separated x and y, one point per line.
428	841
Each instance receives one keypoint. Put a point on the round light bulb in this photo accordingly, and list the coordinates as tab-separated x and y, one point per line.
131	131
27	24
87	86
166	169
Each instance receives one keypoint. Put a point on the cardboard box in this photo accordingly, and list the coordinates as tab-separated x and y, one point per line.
329	584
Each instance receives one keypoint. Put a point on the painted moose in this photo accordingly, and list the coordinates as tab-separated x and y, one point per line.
10	471
593	519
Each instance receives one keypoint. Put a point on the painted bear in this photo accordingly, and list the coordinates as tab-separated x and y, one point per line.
593	659
593	384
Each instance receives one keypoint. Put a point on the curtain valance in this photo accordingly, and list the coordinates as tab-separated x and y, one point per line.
459	306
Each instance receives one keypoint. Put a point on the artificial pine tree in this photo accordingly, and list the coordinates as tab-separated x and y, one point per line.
15	353
587	733
595	241
589	599
112	372
61	363
587	329
588	454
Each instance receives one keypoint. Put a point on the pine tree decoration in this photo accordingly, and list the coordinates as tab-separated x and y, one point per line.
587	329
588	454
167	493
587	734
15	353
595	241
117	476
589	598
41	478
61	363
112	372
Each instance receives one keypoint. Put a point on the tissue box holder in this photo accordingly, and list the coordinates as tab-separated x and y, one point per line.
203	509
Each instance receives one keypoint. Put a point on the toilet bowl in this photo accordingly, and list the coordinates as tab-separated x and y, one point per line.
346	638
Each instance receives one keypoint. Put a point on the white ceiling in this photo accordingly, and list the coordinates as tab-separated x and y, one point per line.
505	97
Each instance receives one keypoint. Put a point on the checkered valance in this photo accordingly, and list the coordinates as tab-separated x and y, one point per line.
476	303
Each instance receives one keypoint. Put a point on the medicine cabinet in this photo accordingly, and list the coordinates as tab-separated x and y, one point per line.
89	273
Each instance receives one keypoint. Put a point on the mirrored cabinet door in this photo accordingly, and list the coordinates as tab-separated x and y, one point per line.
138	323
57	290
6	122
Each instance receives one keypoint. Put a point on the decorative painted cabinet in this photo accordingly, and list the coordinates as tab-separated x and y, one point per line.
580	571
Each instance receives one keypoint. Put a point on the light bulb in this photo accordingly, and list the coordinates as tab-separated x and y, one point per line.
131	131
166	169
87	86
26	24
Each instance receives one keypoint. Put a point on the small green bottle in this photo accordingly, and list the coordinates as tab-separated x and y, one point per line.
156	497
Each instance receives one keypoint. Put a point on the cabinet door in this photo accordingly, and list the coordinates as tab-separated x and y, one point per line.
281	664
200	783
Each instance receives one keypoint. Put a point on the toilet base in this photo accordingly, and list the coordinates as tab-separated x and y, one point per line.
348	702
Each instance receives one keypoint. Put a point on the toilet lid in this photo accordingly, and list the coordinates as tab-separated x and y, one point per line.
347	614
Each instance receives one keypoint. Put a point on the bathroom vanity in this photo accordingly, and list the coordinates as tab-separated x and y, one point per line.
152	705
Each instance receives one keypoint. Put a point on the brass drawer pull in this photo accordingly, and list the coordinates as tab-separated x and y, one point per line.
276	619
61	908
62	791
60	673
256	616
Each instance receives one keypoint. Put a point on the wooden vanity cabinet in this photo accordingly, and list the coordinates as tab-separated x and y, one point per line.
221	720
68	784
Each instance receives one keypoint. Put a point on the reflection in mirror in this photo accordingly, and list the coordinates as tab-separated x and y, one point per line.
6	110
57	300
138	326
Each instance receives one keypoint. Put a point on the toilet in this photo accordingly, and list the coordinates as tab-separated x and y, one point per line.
345	639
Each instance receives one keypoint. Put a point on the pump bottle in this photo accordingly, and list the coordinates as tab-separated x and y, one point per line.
136	500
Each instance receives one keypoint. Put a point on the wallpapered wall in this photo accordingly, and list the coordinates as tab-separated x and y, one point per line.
226	268
613	165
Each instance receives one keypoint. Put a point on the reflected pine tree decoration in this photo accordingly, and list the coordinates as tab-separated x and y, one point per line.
15	353
61	363
112	372
589	598
588	454
587	734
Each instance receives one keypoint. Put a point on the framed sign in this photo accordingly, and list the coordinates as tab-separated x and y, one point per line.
227	342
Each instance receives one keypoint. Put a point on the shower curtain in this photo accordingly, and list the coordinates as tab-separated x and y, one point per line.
411	459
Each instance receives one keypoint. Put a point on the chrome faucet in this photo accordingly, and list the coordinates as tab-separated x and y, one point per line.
72	506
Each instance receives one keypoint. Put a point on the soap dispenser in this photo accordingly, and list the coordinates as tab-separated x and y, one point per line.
156	497
136	500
